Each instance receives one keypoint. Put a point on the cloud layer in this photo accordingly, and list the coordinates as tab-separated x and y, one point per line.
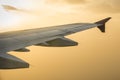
110	6
75	1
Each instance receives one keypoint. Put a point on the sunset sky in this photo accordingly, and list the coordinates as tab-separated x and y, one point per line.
97	57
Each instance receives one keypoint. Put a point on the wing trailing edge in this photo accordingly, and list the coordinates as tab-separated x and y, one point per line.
22	50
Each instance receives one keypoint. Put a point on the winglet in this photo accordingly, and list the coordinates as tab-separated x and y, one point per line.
102	22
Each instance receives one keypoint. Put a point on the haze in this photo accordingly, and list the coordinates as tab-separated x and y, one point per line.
95	58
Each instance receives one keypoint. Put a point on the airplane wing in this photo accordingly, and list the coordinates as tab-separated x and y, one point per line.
49	36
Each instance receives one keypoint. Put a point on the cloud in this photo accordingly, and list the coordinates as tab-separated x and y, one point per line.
104	6
101	6
75	1
18	10
72	2
12	8
8	7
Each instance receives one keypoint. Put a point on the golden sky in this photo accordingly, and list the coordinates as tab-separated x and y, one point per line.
95	58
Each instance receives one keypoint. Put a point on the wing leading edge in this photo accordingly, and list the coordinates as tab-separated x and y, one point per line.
49	36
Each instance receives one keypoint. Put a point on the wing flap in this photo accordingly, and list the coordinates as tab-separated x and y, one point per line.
59	42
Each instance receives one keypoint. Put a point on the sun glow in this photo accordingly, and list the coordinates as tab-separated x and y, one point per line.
38	8
36	14
9	20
